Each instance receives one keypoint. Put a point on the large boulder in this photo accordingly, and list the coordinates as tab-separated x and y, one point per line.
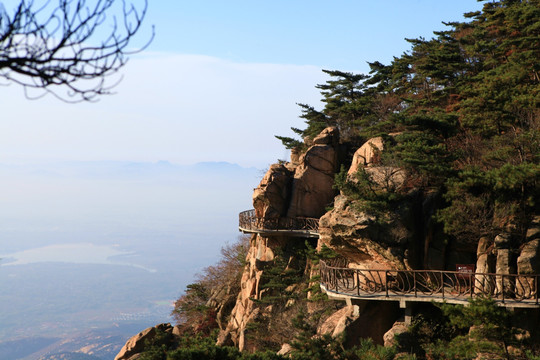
136	343
312	189
367	155
337	323
387	178
533	232
485	264
389	337
368	319
271	197
329	136
364	242
285	350
303	187
504	266
528	261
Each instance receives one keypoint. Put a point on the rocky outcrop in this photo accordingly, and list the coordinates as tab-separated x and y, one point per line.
367	155
403	236
485	263
301	188
356	236
271	197
222	300
367	319
136	343
369	240
261	253
312	189
504	263
528	261
337	323
389	337
285	350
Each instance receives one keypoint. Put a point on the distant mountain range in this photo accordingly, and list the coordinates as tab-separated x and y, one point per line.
123	168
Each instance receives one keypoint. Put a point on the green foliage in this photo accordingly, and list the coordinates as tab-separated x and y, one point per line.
191	309
477	198
280	276
325	253
368	196
196	347
461	332
466	106
308	346
428	326
487	320
156	348
326	347
305	347
205	352
289	142
424	156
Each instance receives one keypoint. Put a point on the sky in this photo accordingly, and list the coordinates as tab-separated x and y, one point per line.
219	80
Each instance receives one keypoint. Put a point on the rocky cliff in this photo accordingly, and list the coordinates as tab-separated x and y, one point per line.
403	236
300	188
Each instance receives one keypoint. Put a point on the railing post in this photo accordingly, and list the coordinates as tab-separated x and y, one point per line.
357	282
414	284
386	282
536	288
471	284
502	287
442	284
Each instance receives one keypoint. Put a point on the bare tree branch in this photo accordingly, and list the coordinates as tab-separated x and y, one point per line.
70	48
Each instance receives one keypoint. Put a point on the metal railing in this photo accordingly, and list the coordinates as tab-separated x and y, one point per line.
248	221
437	285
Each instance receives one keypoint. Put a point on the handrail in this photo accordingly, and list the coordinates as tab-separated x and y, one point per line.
248	221
434	284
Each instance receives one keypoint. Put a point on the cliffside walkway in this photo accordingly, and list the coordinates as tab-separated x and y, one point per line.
299	226
516	291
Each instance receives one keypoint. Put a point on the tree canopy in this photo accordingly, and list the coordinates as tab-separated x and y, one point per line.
466	106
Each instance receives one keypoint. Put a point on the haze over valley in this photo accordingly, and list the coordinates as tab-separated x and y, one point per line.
109	245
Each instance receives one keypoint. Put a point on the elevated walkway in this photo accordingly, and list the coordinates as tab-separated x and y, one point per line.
405	286
249	223
509	290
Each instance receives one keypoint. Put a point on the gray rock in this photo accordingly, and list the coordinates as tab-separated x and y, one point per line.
389	337
528	261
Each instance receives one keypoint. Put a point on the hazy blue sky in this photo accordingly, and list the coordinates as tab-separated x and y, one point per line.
219	80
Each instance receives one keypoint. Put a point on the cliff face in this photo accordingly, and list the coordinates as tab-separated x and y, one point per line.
300	188
403	236
304	187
